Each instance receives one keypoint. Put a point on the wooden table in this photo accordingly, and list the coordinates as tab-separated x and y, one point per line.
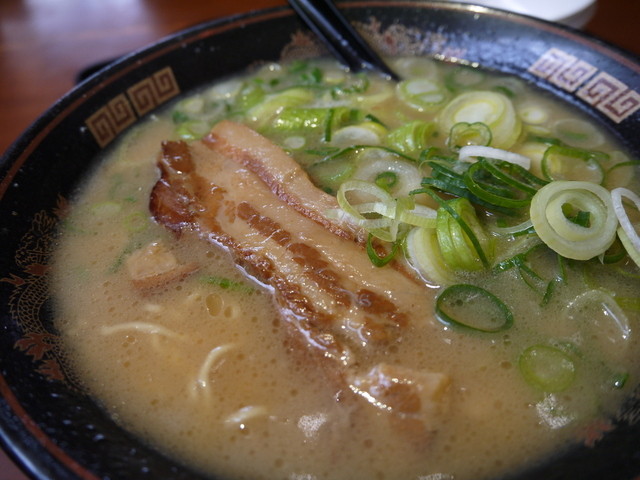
45	43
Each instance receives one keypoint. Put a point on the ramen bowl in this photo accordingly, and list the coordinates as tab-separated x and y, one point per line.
48	423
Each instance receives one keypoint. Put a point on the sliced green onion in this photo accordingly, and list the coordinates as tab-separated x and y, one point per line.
463	242
406	174
322	120
446	179
520	228
358	83
463	77
227	283
423	67
529	276
367	133
386	180
471	153
473	308
301	119
493	109
412	137
547	368
543	136
192	105
369	199
501	183
179	117
548	207
466	134
419	216
520	258
578	133
568	163
620	171
534	151
376	259
192	129
509	85
225	90
249	96
533	114
422	93
330	172
310	75
627	232
423	253
629	246
614	253
513	175
274	103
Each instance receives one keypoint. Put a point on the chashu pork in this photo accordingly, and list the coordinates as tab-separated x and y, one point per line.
235	188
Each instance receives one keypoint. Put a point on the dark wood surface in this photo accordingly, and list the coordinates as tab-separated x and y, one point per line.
45	43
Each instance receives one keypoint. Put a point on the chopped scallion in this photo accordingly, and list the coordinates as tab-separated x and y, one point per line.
568	163
627	231
569	239
547	368
377	260
464	134
463	242
474	308
227	283
493	109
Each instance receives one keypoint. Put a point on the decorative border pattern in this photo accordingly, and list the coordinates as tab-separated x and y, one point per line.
153	91
124	109
111	119
599	89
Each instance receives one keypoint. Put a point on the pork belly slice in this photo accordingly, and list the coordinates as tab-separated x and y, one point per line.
286	178
334	301
153	266
315	274
414	397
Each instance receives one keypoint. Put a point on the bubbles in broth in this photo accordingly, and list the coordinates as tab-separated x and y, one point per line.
349	278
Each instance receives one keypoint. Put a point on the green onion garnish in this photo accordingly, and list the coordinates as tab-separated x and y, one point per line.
227	283
474	308
547	368
377	260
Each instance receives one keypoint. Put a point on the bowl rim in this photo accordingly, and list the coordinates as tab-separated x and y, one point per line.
23	440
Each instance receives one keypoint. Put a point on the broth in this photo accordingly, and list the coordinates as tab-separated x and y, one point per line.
204	368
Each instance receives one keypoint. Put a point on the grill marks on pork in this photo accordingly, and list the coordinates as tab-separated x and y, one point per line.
237	189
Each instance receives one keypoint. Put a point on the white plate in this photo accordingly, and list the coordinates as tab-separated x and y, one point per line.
575	13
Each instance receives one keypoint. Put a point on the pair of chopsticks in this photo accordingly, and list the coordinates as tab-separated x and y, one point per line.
346	44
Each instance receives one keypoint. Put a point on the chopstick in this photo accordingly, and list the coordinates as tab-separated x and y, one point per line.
344	42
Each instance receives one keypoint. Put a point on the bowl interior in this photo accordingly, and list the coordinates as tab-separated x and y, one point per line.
46	420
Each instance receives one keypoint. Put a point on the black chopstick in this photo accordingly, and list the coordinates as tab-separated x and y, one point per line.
346	44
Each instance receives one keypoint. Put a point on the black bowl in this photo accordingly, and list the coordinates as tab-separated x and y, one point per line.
54	429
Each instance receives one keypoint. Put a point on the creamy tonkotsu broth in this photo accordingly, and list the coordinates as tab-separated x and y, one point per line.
486	363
